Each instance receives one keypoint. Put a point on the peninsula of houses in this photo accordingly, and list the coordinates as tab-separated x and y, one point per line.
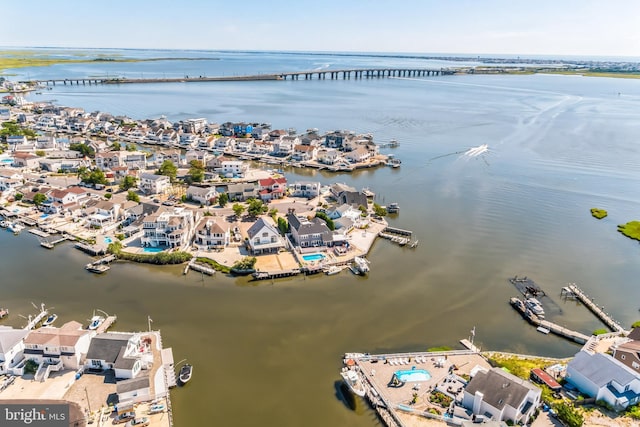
192	186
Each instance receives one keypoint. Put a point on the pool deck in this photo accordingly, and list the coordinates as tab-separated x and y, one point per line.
445	368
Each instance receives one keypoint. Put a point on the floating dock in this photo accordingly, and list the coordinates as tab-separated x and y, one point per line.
527	287
520	307
598	311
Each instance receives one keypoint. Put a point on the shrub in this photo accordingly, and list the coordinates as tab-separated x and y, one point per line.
30	367
630	229
600	331
440	398
568	415
214	264
636	324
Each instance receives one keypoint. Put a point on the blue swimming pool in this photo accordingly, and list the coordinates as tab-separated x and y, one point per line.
108	240
313	257
6	161
152	250
43	216
413	375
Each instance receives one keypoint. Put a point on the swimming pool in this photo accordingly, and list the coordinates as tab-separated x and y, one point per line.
152	250
313	257
108	240
43	216
413	375
7	161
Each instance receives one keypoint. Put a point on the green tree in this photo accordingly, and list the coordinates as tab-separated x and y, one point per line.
40	153
323	216
223	199
256	207
108	196
379	210
568	415
283	225
128	182
272	213
39	199
85	149
131	147
133	196
167	168
196	171
11	128
238	209
19	196
93	177
116	146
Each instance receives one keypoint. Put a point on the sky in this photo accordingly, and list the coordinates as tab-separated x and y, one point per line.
540	27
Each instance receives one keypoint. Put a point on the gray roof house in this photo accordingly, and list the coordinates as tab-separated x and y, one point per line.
498	395
11	347
264	237
309	233
115	351
133	390
602	377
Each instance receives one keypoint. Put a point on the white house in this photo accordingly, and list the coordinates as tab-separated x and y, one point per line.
501	395
264	237
133	390
328	156
154	184
210	234
304	152
305	189
64	345
11	347
108	160
104	213
602	377
22	159
117	351
359	154
172	229
233	168
135	160
46	143
203	195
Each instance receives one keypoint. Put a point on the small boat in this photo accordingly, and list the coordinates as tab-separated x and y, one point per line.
543	330
353	381
4	312
361	265
97	268
185	373
96	321
50	319
15	227
535	306
4	224
334	269
393	208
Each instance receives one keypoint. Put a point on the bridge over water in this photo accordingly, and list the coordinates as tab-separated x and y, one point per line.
355	73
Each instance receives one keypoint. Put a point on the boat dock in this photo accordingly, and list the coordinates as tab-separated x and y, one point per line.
202	268
33	322
39	232
108	322
91	249
50	242
262	275
526	286
520	307
598	311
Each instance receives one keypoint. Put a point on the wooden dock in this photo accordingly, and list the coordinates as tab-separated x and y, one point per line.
39	232
201	268
399	231
50	242
575	336
598	311
262	275
108	322
91	249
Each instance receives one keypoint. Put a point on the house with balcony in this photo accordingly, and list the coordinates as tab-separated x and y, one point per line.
501	396
261	148
328	156
243	145
233	168
306	189
171	229
121	352
211	234
11	347
242	191
224	143
204	195
303	153
283	147
199	155
154	184
46	143
604	378
272	188
628	352
10	179
103	213
135	160
309	233
172	155
264	237
108	160
64	345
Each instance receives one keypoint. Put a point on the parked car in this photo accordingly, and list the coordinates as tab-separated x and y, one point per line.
141	422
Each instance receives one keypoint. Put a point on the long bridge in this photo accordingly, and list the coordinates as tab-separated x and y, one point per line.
344	74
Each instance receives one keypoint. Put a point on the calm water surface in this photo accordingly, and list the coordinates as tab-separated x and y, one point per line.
268	353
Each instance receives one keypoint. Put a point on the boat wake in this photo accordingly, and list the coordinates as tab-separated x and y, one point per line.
477	151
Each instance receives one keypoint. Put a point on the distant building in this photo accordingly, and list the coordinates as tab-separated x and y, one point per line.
154	184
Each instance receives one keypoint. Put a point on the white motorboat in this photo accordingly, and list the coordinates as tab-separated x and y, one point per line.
361	265
15	227
185	373
4	224
50	319
353	381
96	321
334	269
535	306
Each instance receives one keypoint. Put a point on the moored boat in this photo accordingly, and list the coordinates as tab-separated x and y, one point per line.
50	319
96	321
352	379
535	306
97	268
185	373
361	265
4	312
333	269
15	227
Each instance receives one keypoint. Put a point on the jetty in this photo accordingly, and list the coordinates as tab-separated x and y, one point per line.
572	335
262	275
34	321
595	309
39	232
398	235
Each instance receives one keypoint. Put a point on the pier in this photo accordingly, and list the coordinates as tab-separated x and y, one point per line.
202	268
50	242
262	275
575	336
598	311
33	322
108	322
91	249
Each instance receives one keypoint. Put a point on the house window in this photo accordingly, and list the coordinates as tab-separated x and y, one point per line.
622	356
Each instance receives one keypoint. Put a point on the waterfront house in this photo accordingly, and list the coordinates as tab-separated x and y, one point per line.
154	184
59	200
58	346
11	347
223	144
272	188
602	377
204	195
64	165
109	160
327	156
242	129
242	191
242	145
233	168
261	132
304	152
172	229
264	237
26	160
210	234
305	189
358	155
135	160
194	126
261	148
344	211
284	146
309	233
344	194
189	140
102	213
215	163
199	155
628	352
5	114
133	390
336	139
172	155
501	396
117	351
169	137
